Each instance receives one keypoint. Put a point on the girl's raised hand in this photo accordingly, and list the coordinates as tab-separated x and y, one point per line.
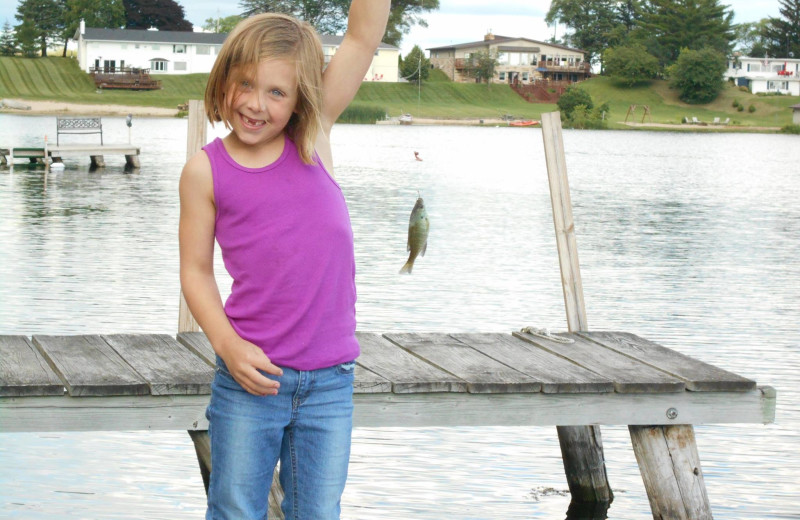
244	360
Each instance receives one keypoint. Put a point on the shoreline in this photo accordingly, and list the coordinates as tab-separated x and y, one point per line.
43	107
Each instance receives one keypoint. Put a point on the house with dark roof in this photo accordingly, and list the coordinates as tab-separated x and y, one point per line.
183	52
520	60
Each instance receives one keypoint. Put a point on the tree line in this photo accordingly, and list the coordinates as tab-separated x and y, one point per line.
44	23
687	41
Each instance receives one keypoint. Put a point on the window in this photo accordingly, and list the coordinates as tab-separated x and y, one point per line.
524	76
158	65
155	47
502	76
179	49
179	66
502	58
514	58
123	46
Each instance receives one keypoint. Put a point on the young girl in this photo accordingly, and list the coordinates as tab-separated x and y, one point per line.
285	338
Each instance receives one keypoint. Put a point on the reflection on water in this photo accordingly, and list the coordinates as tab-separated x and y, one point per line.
690	240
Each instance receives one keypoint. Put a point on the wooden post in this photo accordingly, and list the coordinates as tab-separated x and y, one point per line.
581	446
667	455
195	140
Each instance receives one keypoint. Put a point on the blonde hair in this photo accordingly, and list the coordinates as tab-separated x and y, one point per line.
271	36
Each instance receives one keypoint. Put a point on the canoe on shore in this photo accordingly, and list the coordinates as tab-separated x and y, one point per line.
527	122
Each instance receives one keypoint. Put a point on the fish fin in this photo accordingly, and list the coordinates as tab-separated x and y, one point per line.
407	267
424	248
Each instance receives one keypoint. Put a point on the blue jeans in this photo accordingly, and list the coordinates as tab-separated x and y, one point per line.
307	426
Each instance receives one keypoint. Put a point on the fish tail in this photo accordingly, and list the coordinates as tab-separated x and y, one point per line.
407	267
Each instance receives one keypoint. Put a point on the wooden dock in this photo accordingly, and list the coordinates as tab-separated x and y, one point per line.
157	382
96	153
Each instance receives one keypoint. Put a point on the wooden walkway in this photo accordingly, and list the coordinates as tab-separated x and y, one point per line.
157	382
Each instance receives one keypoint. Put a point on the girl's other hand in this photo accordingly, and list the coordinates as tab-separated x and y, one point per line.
244	360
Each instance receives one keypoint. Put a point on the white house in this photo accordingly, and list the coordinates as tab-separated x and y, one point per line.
520	60
179	52
768	75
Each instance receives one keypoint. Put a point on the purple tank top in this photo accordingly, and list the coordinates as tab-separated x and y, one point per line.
286	241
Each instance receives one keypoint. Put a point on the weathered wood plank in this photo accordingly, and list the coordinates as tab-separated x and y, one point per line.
670	467
198	343
368	382
376	410
556	374
89	366
166	365
406	372
23	370
699	376
627	374
482	373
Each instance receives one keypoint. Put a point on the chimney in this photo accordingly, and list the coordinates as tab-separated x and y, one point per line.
489	36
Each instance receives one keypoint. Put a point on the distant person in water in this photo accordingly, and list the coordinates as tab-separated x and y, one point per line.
417	157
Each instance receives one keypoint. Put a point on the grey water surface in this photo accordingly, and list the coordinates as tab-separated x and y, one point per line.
690	240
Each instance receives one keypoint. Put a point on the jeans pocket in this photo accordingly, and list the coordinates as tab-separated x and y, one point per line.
346	369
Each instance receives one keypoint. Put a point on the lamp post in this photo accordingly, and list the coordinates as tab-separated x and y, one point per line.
129	122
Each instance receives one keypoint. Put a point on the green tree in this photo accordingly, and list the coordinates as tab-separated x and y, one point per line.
783	34
327	16
672	25
27	38
103	14
165	15
41	19
572	98
404	15
592	22
750	38
698	75
630	65
8	45
415	67
481	66
222	25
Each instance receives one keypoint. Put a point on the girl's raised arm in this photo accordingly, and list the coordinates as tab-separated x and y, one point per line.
366	25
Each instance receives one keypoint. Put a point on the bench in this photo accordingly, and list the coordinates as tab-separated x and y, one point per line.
78	125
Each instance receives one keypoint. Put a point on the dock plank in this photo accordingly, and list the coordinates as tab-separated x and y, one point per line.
699	376
368	382
23	370
481	373
89	366
198	343
628	375
406	372
556	374
168	367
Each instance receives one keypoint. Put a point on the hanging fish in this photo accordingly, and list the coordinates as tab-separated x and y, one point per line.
418	226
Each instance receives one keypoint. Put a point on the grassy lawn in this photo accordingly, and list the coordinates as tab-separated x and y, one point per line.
665	107
60	79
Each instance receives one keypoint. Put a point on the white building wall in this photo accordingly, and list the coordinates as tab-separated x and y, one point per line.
763	74
140	55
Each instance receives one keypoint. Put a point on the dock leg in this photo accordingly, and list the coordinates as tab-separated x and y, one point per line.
584	463
97	161
131	161
670	467
3	160
202	447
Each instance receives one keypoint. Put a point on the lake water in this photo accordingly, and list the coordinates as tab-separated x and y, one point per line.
690	240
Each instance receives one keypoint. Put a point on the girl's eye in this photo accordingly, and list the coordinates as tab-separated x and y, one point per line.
245	84
276	92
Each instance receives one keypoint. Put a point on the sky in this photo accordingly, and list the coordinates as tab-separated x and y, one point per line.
456	21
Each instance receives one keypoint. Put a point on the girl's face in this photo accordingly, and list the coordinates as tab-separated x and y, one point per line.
262	106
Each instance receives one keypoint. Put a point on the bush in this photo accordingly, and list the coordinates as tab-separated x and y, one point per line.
735	103
582	117
740	108
744	89
751	108
791	129
630	65
698	75
573	97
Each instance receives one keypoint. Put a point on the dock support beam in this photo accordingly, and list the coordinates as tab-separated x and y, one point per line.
667	455
97	161
132	161
581	446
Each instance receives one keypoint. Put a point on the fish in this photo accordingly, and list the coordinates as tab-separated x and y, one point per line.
418	226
